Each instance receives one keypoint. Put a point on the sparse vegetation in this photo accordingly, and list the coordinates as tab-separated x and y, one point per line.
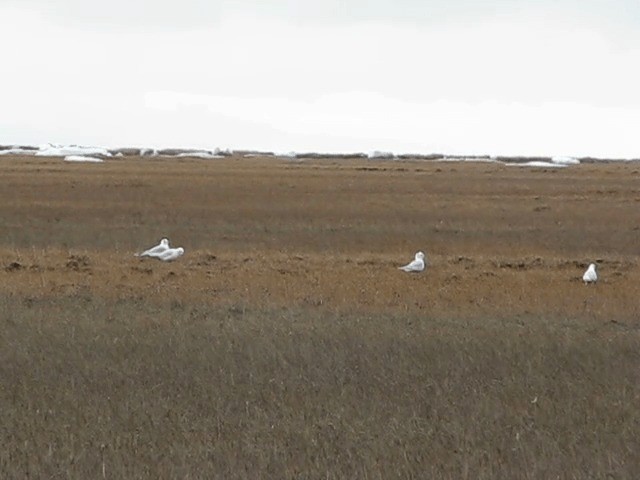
285	343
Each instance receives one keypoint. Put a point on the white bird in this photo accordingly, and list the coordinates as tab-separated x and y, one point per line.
590	276
417	265
170	254
162	247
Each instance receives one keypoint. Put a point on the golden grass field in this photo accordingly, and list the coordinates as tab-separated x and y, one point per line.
285	343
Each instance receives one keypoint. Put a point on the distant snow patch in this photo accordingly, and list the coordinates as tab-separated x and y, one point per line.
224	152
82	158
565	160
148	152
381	155
205	155
539	164
50	150
17	151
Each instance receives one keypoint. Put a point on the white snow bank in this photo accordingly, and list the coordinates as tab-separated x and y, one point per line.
70	150
17	151
286	154
205	155
565	160
82	158
539	164
379	154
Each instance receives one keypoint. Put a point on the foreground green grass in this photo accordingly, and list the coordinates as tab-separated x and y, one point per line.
135	389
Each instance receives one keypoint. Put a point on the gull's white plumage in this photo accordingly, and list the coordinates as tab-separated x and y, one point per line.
170	254
162	247
590	276
417	265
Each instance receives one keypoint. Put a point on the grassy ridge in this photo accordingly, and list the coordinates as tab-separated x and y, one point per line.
179	391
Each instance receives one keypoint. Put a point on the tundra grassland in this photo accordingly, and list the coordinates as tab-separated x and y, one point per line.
286	344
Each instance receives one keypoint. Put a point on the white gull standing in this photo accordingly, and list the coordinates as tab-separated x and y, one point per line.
162	247
590	276
417	265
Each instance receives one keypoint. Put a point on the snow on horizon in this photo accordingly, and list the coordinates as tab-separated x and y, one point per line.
49	150
74	152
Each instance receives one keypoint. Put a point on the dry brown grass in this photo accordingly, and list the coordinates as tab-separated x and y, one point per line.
285	343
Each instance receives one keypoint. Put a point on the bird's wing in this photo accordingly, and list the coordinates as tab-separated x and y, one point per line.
168	255
152	252
414	266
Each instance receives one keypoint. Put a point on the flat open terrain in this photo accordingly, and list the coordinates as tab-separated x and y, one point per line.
285	343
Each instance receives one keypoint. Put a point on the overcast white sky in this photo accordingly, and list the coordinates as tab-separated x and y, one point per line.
454	76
